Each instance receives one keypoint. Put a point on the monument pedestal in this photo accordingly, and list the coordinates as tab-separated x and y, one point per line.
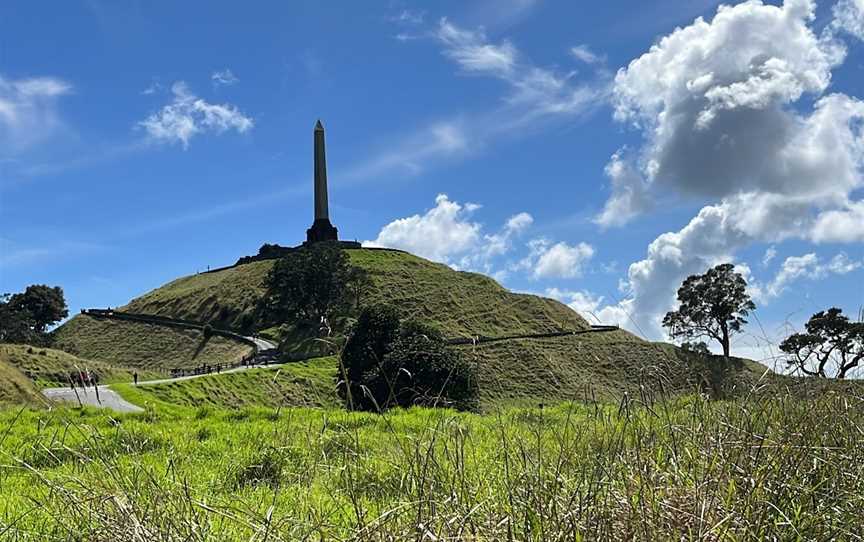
321	230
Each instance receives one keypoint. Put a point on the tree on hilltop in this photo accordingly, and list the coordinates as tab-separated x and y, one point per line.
309	284
712	305
829	340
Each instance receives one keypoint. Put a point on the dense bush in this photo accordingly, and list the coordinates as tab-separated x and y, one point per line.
388	363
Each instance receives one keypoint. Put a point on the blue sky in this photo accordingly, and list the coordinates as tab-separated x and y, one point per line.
544	143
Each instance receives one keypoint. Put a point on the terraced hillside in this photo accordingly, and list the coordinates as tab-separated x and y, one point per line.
459	303
145	347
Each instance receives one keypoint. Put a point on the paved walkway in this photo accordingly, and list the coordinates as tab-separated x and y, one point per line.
108	398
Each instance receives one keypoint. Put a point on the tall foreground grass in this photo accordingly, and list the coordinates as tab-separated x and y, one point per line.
686	469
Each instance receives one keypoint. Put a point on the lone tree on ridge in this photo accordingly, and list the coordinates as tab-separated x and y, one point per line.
308	285
713	305
25	317
830	340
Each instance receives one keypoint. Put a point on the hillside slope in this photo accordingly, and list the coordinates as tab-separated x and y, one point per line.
17	389
310	383
50	367
142	346
460	304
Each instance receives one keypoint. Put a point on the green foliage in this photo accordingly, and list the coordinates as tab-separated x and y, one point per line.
830	341
388	363
698	348
359	284
25	317
309	284
712	305
15	326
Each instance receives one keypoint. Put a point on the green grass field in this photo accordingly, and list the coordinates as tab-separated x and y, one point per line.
683	469
142	346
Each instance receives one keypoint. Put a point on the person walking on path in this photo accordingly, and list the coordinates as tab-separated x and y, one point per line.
135	377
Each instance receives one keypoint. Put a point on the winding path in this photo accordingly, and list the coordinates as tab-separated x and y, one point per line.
108	398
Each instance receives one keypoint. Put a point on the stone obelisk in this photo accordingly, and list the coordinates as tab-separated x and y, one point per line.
322	229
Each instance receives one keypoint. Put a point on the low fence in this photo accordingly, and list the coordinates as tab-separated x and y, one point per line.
481	339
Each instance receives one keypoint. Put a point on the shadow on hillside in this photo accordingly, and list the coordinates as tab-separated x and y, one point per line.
201	345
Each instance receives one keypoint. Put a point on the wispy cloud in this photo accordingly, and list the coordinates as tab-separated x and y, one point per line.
533	95
28	112
15	255
217	210
224	78
188	115
809	266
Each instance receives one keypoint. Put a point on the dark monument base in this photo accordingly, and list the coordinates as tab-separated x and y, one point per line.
321	230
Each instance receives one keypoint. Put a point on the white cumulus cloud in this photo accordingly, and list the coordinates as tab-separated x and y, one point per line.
188	115
448	233
555	260
714	101
440	233
849	17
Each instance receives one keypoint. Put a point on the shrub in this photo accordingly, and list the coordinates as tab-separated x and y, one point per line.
389	363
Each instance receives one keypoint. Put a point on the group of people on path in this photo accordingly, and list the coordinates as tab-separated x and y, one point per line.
84	379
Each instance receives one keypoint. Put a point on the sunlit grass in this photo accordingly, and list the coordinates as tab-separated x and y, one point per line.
691	469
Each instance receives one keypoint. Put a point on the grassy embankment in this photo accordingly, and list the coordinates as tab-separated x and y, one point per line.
144	347
15	388
309	383
48	367
684	469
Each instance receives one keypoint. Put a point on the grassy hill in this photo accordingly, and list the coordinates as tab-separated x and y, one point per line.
15	388
49	367
143	346
461	304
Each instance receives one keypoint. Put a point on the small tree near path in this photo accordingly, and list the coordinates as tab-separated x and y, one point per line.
830	341
713	305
